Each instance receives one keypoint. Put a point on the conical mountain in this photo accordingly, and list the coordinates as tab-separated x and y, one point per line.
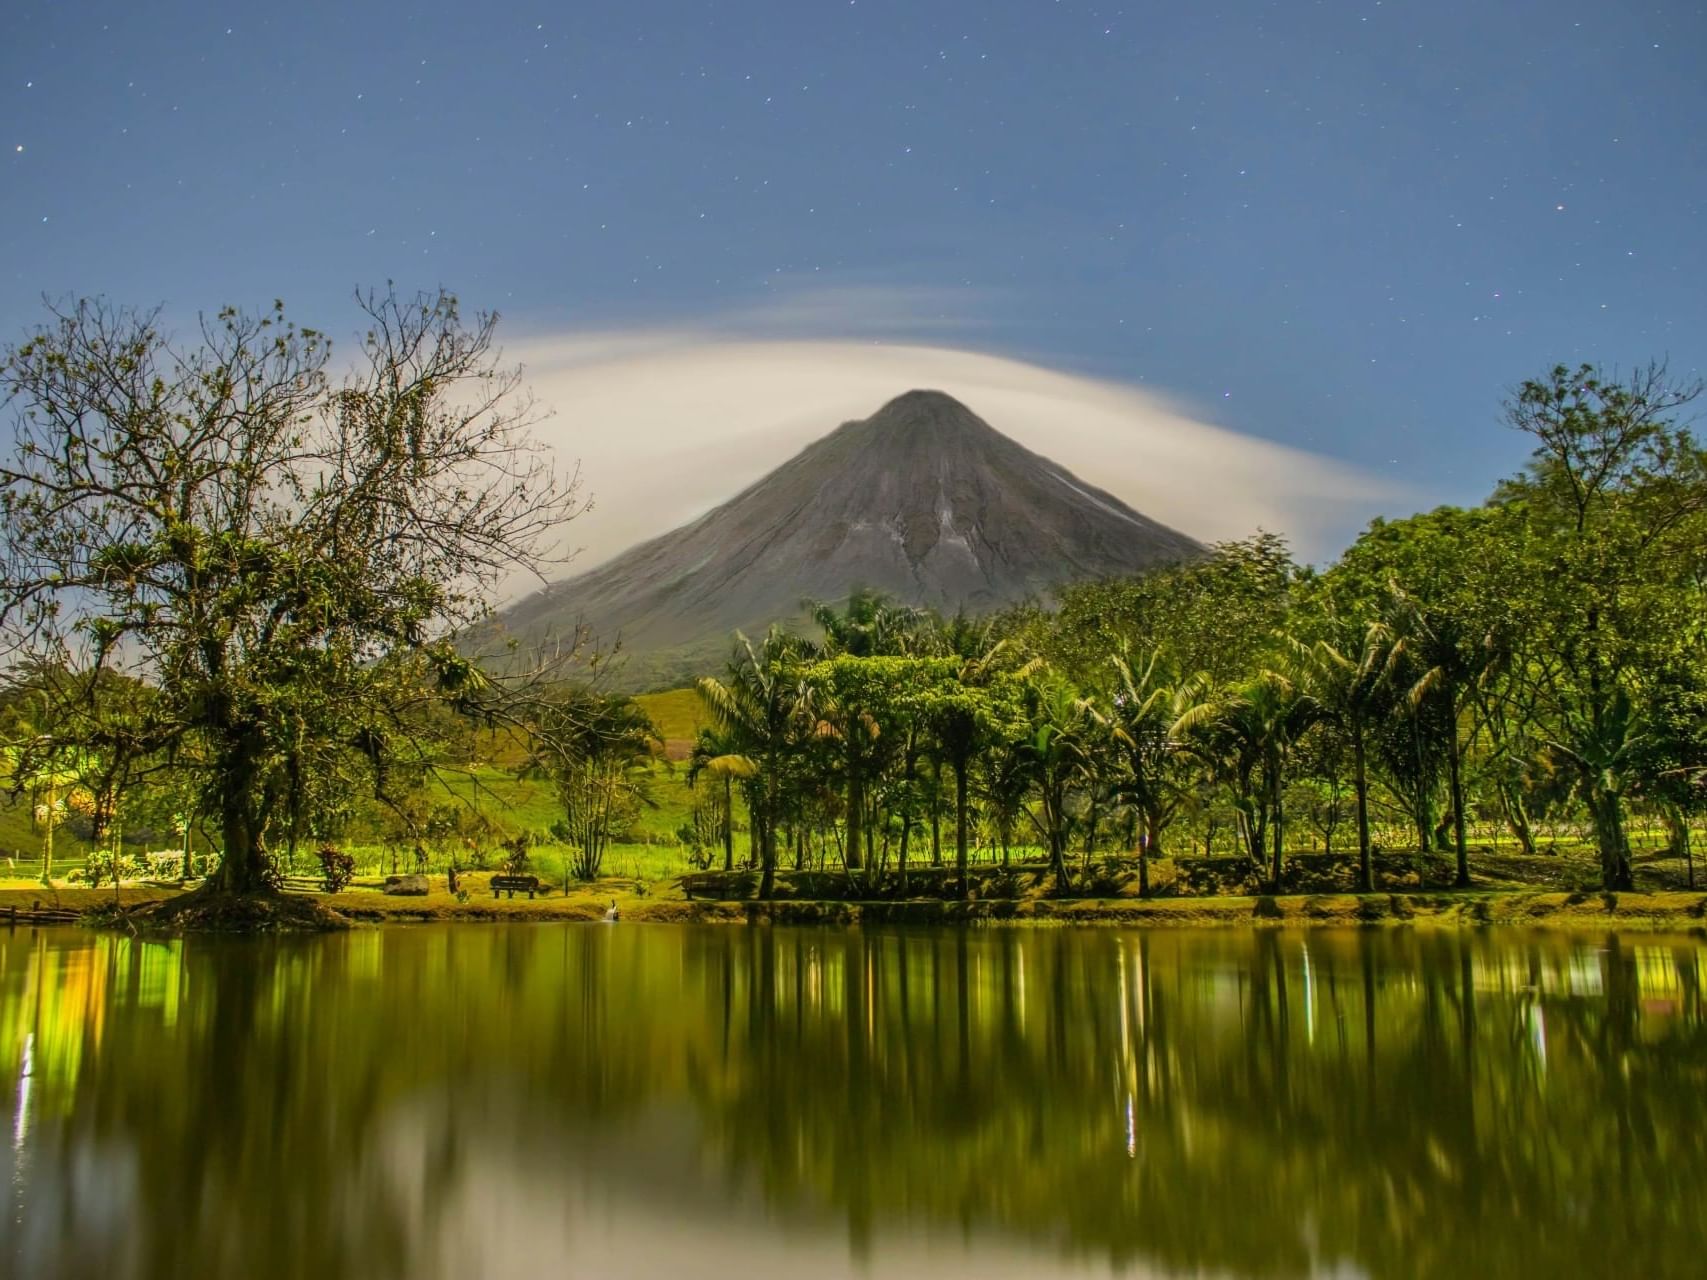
923	501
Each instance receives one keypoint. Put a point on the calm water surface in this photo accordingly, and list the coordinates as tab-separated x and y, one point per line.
664	1101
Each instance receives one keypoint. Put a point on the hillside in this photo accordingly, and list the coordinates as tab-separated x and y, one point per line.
923	501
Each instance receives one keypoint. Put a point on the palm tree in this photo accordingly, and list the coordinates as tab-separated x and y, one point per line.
1004	778
1256	723
846	704
1456	656
755	707
1148	701
979	703
1060	751
715	753
1351	690
869	625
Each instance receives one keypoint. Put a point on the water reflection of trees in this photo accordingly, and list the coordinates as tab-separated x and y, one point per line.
1410	1103
1261	1104
249	1092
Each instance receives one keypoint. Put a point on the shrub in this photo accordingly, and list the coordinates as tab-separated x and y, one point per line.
99	868
169	864
337	868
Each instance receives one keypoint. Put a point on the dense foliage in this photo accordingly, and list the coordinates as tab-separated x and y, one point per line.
232	589
1458	669
228	574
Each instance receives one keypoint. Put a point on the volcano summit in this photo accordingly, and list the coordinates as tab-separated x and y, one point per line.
923	501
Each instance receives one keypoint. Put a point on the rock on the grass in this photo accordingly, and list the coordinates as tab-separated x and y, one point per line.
406	886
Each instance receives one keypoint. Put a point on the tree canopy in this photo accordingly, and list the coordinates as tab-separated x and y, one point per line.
279	553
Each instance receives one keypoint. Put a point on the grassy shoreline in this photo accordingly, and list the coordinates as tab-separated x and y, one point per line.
1633	912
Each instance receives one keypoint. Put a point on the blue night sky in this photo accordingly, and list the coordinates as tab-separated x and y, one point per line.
1345	227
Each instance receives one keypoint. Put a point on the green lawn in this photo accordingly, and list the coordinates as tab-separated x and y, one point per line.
679	714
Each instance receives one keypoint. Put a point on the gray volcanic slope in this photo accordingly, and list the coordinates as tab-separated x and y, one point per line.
923	501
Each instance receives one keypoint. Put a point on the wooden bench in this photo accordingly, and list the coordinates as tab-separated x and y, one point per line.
509	885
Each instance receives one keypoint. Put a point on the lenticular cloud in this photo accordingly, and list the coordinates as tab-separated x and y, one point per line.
667	425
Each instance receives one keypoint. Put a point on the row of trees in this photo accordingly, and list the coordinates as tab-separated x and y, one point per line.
239	585
1544	652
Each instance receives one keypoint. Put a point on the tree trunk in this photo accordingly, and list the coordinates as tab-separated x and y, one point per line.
1279	829
1055	818
1149	844
1455	781
1423	815
1517	817
1360	784
960	825
728	824
47	837
936	814
767	860
243	862
184	870
855	855
901	855
1058	857
1254	830
1677	838
1606	808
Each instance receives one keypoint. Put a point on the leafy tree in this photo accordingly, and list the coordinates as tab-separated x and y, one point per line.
1216	615
860	708
282	556
598	751
51	778
1610	519
1671	760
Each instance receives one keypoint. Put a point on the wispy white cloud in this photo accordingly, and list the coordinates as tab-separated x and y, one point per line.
667	423
791	309
854	308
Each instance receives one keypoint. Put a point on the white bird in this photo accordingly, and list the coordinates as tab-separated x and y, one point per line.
611	914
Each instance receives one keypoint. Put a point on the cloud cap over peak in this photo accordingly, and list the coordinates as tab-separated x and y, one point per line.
668	424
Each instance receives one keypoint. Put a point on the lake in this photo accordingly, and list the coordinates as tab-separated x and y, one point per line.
652	1100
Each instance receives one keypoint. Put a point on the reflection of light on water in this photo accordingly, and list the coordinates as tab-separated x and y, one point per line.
21	1122
1309	994
1125	1024
1538	1034
1131	1131
1019	974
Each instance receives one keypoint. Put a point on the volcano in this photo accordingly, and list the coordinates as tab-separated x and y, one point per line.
923	501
